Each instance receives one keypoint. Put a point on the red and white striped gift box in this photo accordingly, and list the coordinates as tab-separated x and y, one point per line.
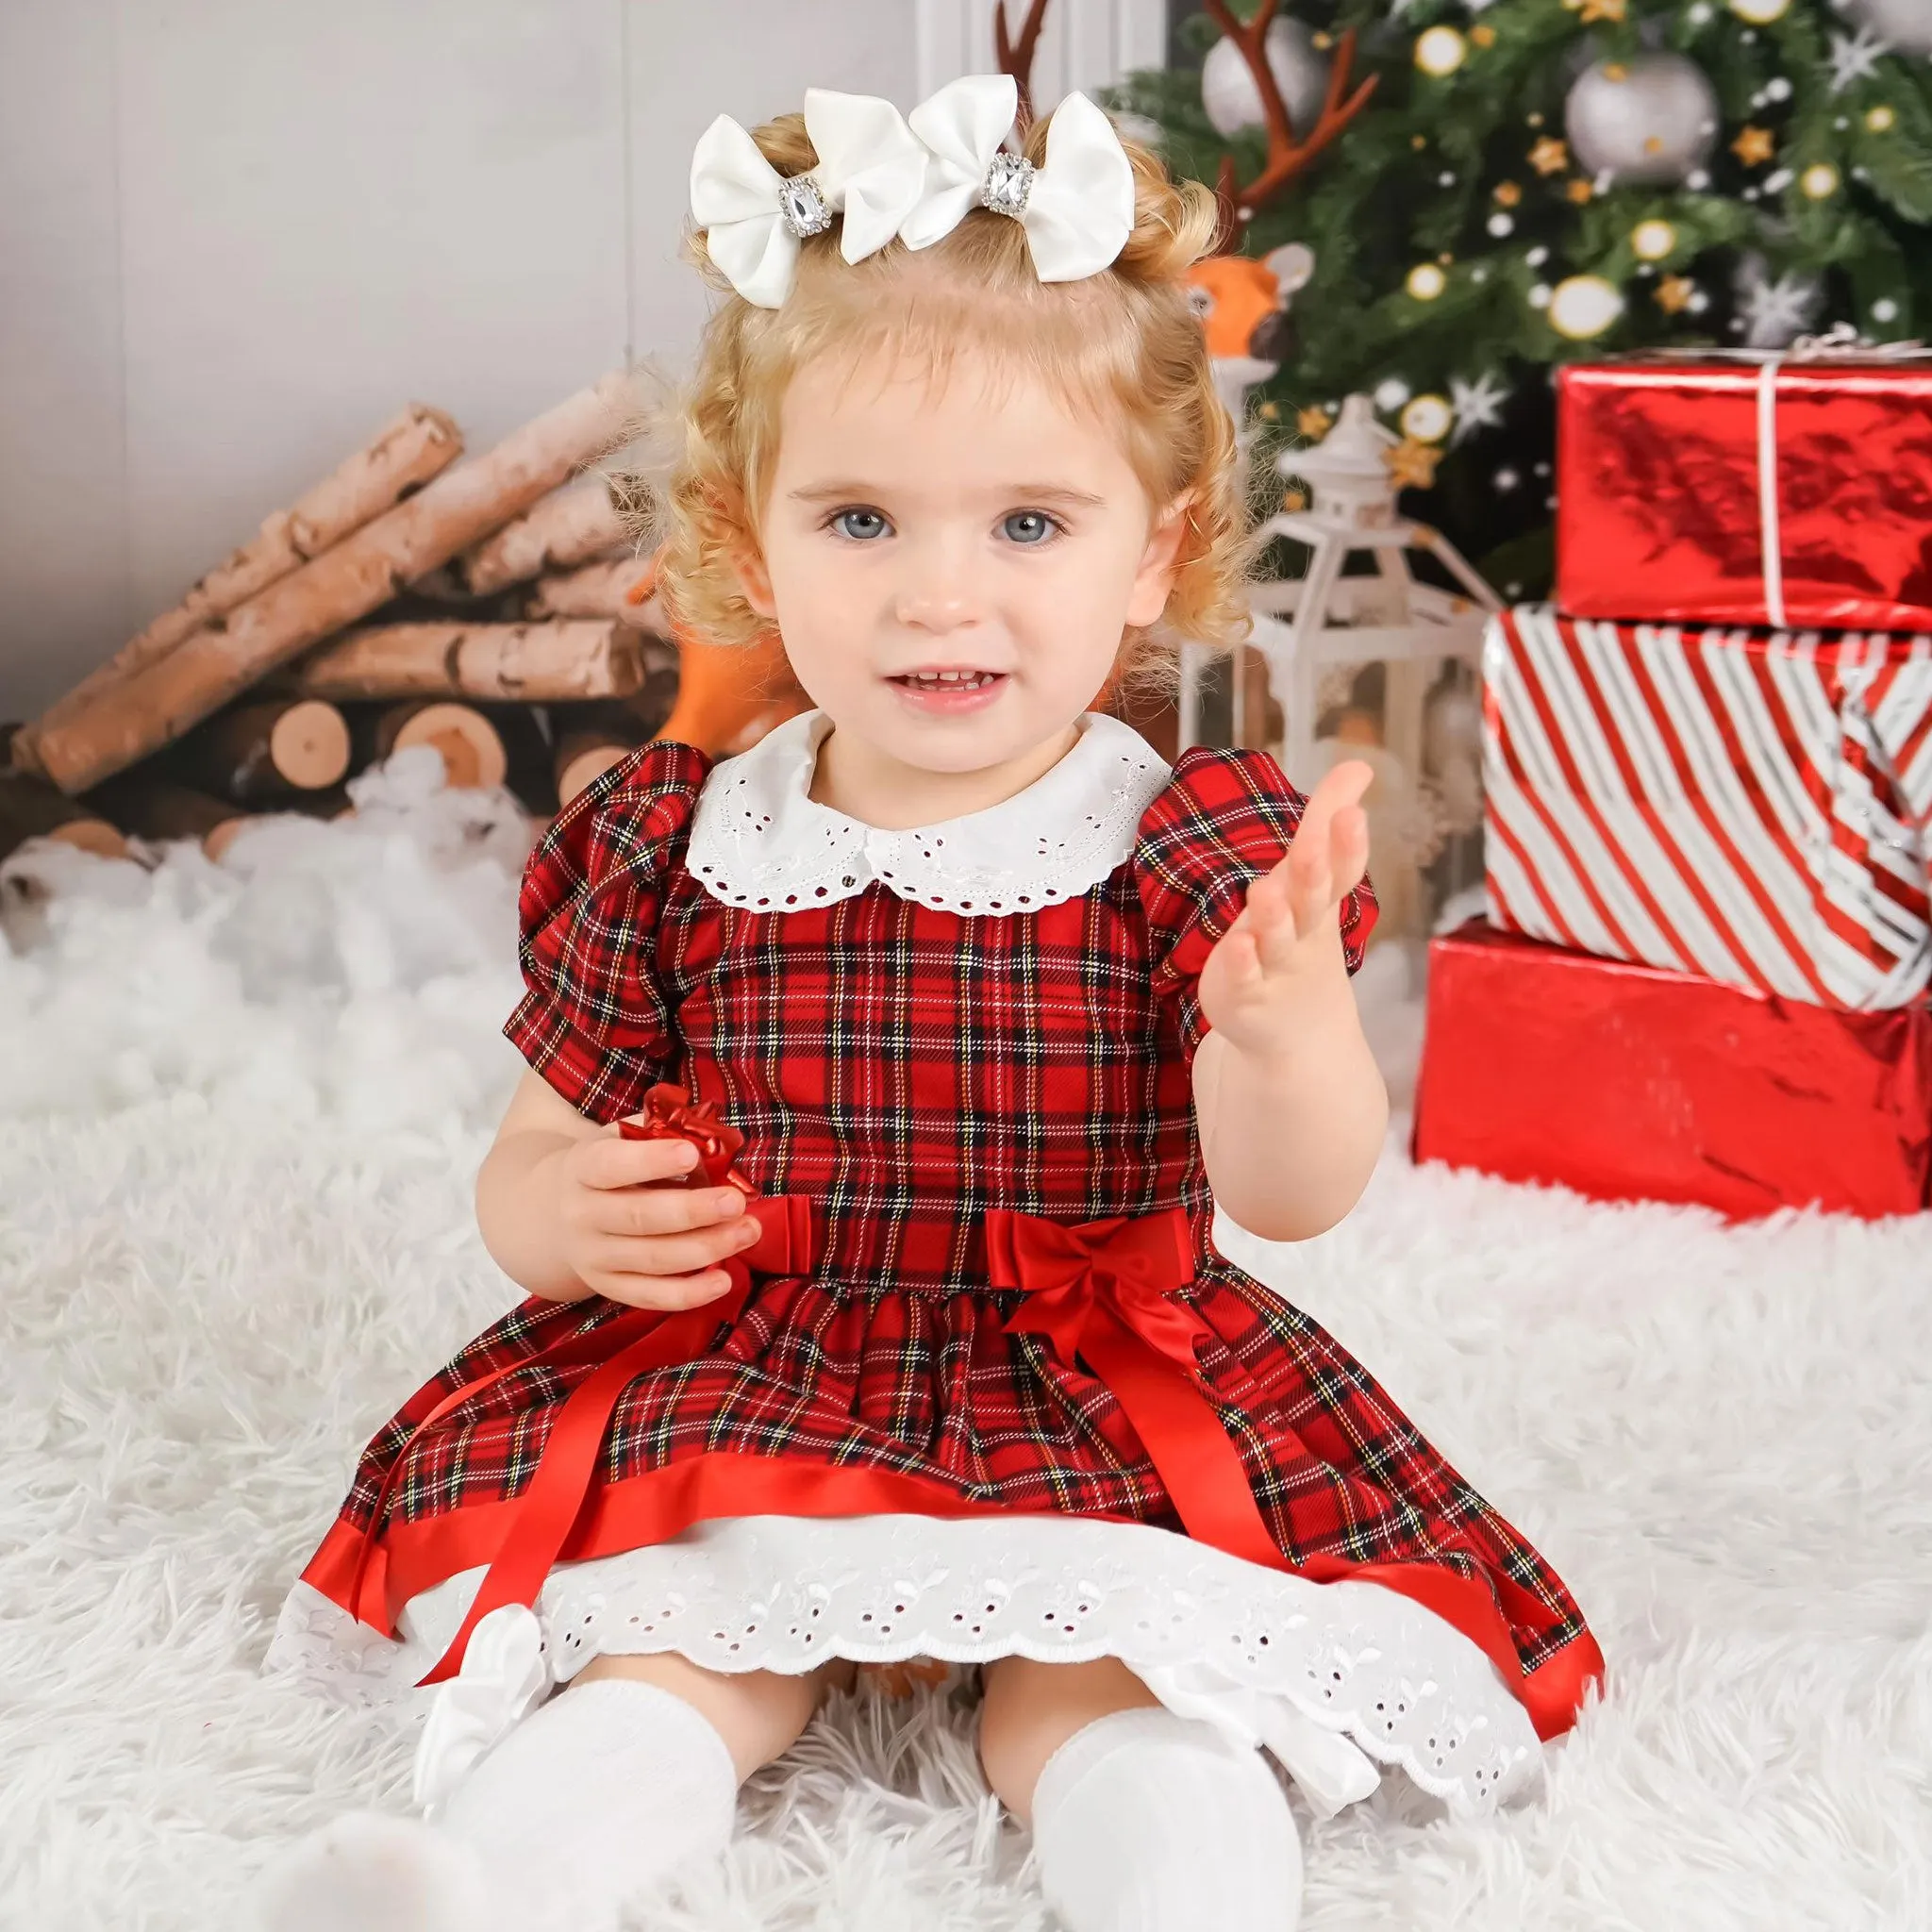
1749	804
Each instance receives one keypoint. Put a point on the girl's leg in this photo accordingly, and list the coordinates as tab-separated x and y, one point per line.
759	1714
1030	1709
1143	1821
632	1768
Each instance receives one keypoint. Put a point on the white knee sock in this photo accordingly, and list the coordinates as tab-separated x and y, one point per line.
1145	1822
591	1798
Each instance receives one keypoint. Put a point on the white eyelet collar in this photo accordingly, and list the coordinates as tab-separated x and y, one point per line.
757	838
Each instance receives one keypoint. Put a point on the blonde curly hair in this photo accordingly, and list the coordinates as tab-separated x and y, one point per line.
1125	338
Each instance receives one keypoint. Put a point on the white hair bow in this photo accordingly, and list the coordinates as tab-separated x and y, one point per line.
1076	208
871	169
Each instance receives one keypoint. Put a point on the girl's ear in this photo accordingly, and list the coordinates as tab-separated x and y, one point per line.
1160	563
755	582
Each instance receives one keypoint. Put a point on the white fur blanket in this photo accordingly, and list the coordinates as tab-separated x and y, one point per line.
241	1111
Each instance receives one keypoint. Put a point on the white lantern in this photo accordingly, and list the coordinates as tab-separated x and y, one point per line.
1306	626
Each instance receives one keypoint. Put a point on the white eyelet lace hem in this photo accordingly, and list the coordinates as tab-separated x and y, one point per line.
758	839
1334	1678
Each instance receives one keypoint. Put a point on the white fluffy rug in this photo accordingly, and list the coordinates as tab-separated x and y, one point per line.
241	1111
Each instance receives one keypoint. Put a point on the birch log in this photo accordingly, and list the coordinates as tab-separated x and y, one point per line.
590	739
408	451
594	590
367	568
473	751
30	809
582	758
535	663
258	754
159	809
566	528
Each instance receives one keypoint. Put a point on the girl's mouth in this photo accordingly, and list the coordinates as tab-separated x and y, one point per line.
949	692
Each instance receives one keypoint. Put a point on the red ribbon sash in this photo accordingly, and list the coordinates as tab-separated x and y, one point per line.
643	1338
1102	1290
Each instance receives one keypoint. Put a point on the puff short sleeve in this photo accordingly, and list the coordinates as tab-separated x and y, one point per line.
1224	819
595	1019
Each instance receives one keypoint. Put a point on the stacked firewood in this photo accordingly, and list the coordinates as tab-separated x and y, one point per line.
495	609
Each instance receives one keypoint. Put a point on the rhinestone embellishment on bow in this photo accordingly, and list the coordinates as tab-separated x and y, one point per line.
1008	182
802	207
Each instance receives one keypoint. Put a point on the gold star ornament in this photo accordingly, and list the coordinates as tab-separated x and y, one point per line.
1313	422
1412	464
1508	194
1602	9
1673	295
1549	156
1754	146
1578	190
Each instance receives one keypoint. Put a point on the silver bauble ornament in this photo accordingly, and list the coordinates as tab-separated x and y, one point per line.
1301	71
1653	118
1904	25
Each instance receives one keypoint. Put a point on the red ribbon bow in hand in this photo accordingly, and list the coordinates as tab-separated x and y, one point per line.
643	1338
784	1221
1102	1290
670	1114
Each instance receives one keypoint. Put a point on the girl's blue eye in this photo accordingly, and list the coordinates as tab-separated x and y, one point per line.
862	525
1029	527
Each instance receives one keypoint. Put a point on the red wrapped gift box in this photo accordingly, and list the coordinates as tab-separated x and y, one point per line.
1775	492
1625	1083
1750	806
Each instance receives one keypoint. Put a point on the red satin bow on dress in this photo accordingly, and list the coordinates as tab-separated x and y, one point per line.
643	1338
1102	1290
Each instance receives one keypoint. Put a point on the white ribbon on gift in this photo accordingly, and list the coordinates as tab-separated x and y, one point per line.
871	170
1079	209
505	1676
1839	343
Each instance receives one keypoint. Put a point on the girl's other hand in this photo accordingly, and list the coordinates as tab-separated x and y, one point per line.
632	1229
1288	928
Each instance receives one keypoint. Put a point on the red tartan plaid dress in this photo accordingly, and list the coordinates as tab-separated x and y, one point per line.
987	1303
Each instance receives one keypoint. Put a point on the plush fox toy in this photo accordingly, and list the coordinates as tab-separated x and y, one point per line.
1244	301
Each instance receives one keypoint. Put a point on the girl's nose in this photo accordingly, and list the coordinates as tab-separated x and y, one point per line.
936	590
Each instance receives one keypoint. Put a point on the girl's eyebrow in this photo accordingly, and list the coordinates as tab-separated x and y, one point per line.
1014	492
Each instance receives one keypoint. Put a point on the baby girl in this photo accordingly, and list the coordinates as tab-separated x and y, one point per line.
883	1080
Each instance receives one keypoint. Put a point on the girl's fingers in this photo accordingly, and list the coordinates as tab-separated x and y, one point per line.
1241	951
674	1253
611	1161
1342	786
1267	918
1351	850
663	1291
1303	884
664	1211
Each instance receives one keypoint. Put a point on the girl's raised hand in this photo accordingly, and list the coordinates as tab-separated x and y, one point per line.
1248	986
633	1231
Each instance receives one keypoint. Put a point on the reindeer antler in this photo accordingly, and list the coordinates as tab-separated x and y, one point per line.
1287	156
1016	57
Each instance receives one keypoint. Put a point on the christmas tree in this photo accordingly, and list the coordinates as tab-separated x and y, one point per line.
1534	181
